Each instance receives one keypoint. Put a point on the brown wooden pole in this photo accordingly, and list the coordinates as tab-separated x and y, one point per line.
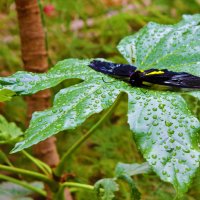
34	56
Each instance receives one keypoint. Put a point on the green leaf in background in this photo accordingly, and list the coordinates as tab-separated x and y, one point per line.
131	169
125	171
165	129
109	187
193	102
135	194
9	132
11	191
6	95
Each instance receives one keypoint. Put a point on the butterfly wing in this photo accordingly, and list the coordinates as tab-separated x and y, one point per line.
169	78
115	69
155	76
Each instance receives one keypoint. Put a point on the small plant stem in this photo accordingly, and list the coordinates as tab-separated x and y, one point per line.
41	165
5	158
60	194
78	185
60	168
36	175
23	184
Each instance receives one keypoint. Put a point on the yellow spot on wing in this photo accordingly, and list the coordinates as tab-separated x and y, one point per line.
154	73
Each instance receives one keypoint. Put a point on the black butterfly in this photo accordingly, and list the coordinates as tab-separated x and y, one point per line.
129	73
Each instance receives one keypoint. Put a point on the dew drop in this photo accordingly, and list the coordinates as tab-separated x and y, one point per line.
176	170
188	169
149	133
154	156
192	126
54	110
172	140
154	163
174	153
186	150
166	147
164	172
154	109
178	147
99	92
170	132
167	123
155	123
138	97
180	134
20	84
155	117
161	106
180	161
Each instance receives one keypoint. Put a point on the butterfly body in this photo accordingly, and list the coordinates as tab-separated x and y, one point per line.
129	73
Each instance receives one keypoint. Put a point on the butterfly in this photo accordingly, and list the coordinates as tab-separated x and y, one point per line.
138	78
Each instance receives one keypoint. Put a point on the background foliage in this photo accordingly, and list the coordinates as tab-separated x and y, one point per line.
86	29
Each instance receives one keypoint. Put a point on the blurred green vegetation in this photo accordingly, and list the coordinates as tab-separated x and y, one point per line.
86	29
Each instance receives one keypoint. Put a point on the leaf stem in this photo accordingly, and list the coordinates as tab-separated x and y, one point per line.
78	185
41	165
23	184
27	172
60	194
60	168
5	158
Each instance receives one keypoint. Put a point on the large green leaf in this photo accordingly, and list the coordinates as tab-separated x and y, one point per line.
174	47
170	47
166	133
71	107
164	127
24	83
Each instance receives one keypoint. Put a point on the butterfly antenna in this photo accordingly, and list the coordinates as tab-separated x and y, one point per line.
107	81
